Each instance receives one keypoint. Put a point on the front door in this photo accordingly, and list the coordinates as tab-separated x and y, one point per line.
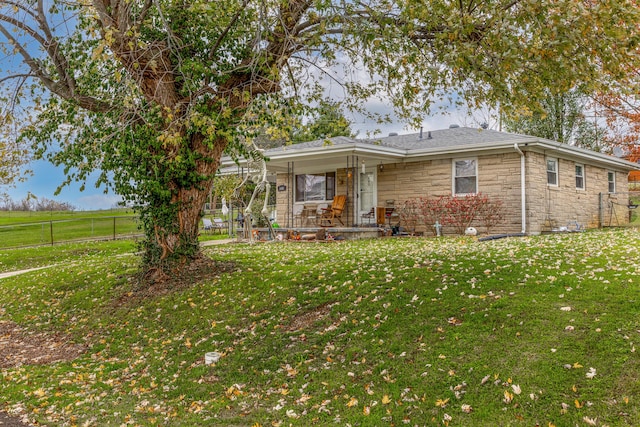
367	196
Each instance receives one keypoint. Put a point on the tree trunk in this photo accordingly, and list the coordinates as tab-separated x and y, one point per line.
172	231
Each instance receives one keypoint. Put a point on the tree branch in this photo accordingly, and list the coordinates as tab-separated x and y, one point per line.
15	76
233	21
37	71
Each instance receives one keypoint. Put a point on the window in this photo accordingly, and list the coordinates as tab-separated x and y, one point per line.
465	176
315	187
611	177
552	172
579	177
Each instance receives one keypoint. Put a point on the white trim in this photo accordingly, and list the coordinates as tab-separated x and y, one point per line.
583	176
613	173
369	148
454	176
557	170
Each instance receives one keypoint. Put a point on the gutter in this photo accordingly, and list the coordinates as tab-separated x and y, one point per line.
523	189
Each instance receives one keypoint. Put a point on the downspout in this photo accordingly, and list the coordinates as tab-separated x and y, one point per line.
523	189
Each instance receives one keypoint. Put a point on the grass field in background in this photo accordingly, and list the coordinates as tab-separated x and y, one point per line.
21	217
539	330
20	229
635	213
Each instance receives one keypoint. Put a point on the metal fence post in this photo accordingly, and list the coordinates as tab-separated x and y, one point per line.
114	228
51	231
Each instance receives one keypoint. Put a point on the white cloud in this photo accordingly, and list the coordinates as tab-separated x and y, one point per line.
97	201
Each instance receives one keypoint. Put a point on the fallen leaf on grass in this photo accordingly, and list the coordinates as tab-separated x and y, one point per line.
441	403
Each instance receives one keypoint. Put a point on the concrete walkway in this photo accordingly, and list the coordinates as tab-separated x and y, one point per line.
28	270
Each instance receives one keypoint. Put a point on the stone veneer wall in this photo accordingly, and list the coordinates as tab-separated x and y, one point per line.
433	178
499	177
550	207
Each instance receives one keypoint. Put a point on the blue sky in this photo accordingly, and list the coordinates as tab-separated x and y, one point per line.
47	177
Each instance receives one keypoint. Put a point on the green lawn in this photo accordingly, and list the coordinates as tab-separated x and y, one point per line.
635	213
514	332
20	229
38	228
20	217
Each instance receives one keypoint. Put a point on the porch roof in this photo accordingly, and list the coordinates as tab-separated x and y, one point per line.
330	153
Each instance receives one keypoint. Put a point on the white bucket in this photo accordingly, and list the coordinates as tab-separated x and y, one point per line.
211	357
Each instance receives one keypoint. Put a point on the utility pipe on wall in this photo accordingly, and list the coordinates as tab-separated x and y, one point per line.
523	189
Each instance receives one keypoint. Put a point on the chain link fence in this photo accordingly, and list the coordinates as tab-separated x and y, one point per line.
68	230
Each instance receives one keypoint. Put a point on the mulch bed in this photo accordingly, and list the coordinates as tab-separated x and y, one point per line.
19	346
7	421
22	347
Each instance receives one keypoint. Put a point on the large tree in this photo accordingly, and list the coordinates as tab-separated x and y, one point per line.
323	121
154	92
567	117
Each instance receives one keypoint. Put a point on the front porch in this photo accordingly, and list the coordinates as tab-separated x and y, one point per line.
320	233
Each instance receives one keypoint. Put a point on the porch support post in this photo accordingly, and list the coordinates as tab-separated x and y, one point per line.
356	191
347	186
290	194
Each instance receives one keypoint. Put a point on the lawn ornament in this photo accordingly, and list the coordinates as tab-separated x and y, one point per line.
256	173
471	231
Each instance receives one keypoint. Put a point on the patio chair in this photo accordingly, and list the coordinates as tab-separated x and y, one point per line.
309	214
219	224
368	216
297	215
334	212
208	225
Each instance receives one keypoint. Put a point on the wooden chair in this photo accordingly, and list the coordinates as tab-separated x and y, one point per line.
333	212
